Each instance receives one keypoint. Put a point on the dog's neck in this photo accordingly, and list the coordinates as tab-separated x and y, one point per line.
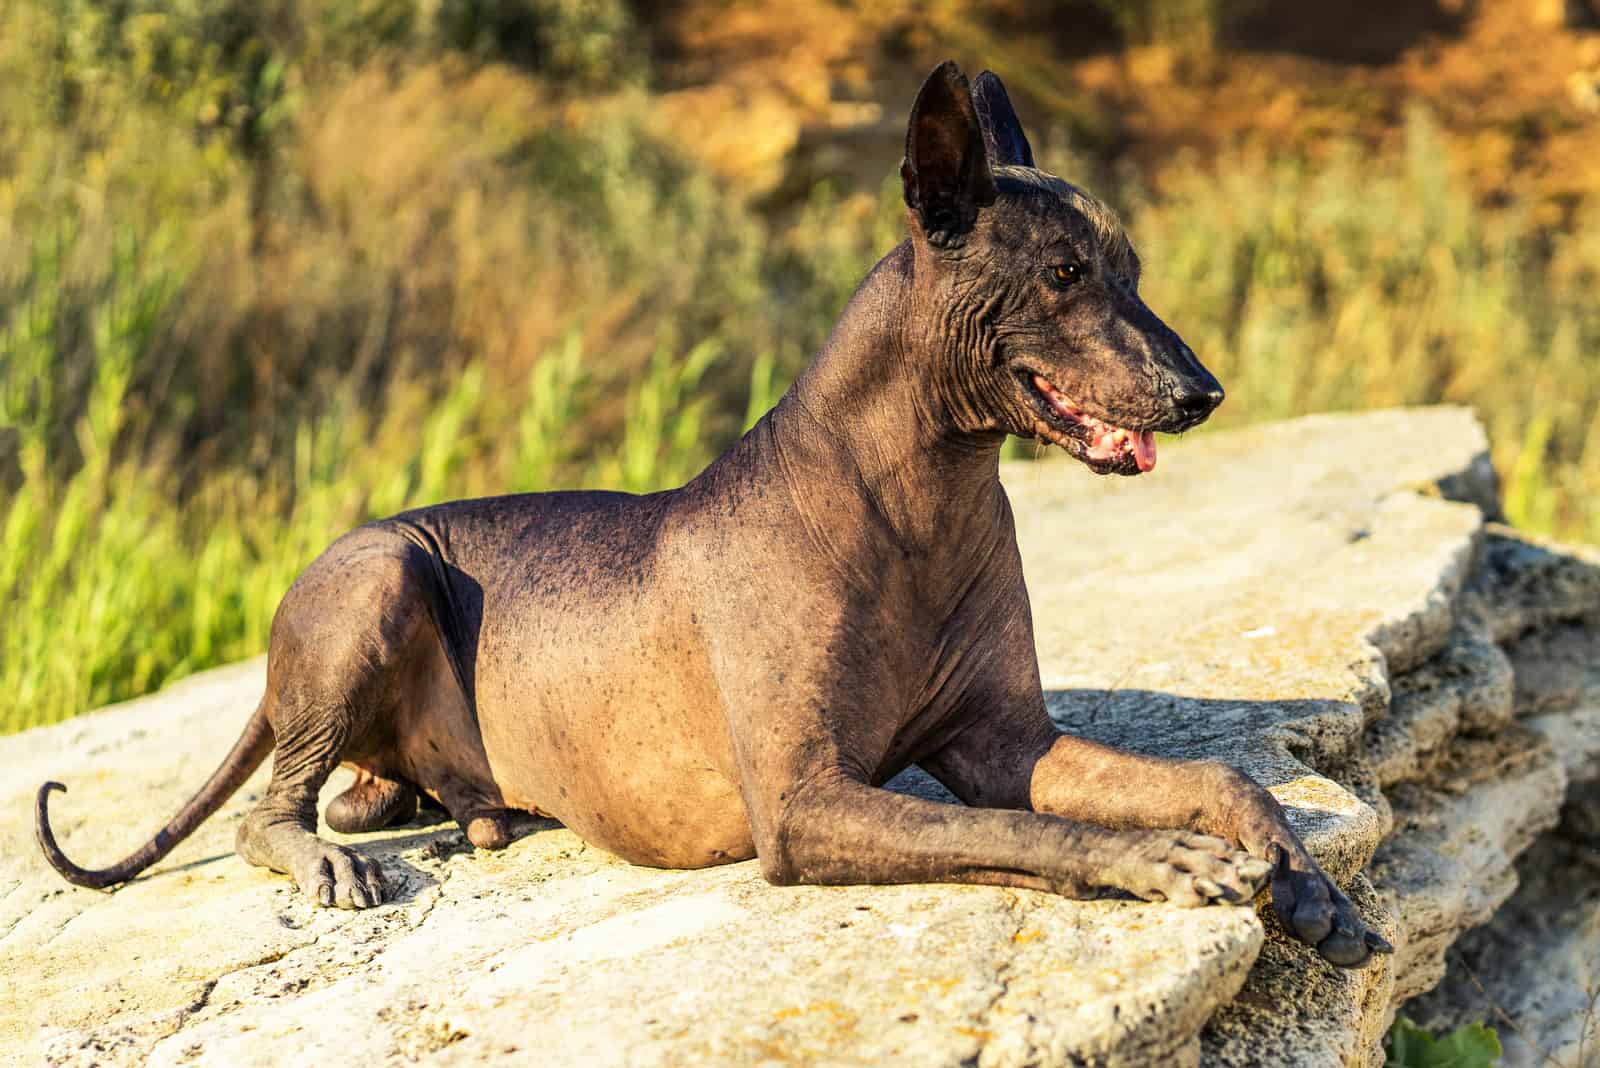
869	406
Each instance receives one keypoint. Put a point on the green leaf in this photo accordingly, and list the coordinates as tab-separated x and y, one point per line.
1472	1046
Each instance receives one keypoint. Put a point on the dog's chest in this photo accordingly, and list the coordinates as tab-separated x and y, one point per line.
953	666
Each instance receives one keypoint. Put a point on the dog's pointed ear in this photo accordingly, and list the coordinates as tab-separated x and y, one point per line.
1002	130
946	170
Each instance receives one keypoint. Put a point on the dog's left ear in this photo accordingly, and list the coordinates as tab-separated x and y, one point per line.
946	170
1002	130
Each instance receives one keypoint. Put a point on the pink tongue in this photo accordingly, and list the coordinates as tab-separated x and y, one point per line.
1144	450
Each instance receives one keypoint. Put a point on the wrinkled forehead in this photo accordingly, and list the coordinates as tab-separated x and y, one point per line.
1051	200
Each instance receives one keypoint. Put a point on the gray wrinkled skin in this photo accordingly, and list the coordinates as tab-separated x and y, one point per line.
731	669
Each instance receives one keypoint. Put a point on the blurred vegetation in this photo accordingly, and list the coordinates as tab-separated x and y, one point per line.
269	270
1362	284
1191	25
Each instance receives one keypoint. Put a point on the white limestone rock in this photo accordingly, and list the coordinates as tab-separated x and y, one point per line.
1250	602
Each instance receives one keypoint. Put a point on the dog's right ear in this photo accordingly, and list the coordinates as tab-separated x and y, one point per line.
1002	130
946	174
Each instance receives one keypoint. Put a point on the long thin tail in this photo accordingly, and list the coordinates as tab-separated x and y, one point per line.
247	754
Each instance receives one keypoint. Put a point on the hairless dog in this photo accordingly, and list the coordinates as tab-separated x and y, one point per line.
733	668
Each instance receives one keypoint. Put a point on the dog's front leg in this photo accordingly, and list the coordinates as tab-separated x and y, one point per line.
835	829
1084	780
1018	757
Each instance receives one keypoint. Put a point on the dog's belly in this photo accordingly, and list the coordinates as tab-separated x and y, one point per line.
621	744
600	710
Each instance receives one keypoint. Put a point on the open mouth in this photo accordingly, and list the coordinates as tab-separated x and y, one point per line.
1101	445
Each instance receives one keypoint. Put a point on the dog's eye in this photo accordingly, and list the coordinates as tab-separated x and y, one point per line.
1064	274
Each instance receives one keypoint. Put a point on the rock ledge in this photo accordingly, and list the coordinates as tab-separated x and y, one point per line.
1304	600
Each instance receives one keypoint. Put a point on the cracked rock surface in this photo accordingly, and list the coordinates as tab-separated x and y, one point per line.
1299	599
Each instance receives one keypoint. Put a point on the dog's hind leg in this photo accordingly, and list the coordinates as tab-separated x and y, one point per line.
372	803
280	833
333	681
487	828
484	820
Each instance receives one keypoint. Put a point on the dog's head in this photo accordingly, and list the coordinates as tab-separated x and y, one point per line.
1029	289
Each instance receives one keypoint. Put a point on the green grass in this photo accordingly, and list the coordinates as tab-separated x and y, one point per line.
261	285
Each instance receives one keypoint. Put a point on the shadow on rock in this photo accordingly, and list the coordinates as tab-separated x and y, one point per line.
1275	741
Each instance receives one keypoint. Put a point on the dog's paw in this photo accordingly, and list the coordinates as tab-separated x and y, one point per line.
335	876
1314	910
1188	869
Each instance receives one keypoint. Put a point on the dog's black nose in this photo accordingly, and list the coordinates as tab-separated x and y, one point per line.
1199	401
